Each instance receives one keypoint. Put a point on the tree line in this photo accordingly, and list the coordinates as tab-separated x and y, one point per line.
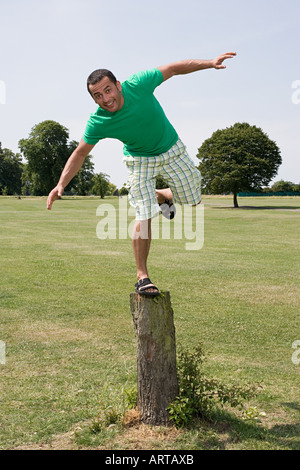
46	151
240	158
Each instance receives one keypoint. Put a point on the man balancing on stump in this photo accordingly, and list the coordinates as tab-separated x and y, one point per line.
129	112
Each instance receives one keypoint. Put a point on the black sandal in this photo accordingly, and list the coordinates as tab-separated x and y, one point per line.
143	284
168	209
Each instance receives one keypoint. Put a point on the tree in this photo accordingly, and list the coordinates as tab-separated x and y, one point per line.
238	158
26	183
100	184
46	150
160	183
11	168
112	190
284	187
83	181
124	190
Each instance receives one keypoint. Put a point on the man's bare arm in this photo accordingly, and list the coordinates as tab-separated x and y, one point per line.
188	66
71	168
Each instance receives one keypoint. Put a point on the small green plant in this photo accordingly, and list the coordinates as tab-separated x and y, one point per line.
114	415
131	397
198	394
253	414
180	411
109	416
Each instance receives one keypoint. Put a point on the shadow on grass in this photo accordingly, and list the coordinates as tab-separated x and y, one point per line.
277	208
222	430
293	405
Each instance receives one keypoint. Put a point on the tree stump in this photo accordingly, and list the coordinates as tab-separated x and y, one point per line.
156	356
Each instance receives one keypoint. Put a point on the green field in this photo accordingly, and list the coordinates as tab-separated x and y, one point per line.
68	332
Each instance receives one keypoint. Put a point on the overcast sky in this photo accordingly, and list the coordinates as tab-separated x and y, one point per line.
48	48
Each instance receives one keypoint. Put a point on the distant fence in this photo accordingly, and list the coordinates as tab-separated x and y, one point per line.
278	193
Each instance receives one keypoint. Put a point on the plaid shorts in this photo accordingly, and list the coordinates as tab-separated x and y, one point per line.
176	168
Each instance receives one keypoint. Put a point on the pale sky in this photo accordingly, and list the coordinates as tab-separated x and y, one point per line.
48	48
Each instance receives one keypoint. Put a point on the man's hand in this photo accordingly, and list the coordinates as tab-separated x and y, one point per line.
218	62
71	168
188	66
55	194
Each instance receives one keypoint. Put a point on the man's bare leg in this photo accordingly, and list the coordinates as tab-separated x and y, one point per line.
163	194
141	238
141	241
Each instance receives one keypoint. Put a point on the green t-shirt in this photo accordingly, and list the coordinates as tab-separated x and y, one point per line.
140	124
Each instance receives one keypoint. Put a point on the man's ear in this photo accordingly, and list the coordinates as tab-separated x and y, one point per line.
119	86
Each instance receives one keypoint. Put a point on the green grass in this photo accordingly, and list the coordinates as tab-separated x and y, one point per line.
70	346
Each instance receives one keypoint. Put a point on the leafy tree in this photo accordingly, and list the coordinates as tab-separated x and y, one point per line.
238	158
284	186
296	188
100	184
26	183
160	182
112	190
123	191
47	150
83	181
11	168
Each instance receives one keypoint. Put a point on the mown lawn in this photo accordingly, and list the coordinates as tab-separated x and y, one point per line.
67	327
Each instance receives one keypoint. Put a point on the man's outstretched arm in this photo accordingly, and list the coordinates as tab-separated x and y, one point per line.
71	168
188	66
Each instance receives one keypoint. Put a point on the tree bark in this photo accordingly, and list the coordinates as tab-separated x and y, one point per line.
156	356
235	201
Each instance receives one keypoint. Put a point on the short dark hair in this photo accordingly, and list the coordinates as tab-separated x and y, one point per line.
97	75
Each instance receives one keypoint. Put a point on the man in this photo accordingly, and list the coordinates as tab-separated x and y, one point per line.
130	113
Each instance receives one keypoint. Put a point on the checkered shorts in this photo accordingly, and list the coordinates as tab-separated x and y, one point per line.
177	169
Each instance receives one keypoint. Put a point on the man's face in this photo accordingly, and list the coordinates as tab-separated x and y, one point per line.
107	95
